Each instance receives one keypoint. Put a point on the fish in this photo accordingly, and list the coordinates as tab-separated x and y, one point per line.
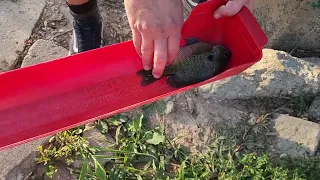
196	62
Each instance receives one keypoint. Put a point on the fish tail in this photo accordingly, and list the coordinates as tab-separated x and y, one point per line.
147	77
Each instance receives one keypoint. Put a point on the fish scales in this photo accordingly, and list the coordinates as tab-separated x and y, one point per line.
189	68
194	63
193	49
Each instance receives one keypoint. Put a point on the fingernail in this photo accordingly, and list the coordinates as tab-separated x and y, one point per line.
217	16
147	68
156	76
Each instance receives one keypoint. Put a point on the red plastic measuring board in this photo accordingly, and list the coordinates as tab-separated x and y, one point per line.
47	98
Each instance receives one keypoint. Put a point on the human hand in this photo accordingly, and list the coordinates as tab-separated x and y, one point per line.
233	7
156	29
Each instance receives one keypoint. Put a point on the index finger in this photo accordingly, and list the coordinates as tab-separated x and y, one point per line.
173	48
160	57
230	9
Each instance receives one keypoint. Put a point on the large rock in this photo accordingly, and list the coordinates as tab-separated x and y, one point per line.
289	24
18	18
296	137
18	162
42	51
276	74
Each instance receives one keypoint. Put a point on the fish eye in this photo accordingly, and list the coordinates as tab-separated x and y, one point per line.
210	58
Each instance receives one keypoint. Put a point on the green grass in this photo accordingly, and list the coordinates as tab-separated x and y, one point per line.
237	152
315	4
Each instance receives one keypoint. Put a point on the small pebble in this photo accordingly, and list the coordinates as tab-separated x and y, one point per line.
169	107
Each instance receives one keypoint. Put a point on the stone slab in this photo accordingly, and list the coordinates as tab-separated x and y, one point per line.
296	137
42	51
17	21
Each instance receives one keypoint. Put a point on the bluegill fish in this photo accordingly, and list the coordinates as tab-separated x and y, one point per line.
196	62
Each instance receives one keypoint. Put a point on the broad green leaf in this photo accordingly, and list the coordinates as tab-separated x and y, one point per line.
138	123
114	122
147	135
103	127
156	139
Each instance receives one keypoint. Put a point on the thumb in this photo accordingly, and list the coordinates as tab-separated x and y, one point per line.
231	8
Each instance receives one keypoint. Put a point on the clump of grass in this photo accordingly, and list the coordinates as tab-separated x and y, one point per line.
141	153
237	152
300	104
64	146
315	4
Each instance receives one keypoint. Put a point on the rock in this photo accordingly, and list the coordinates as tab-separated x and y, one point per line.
18	161
63	173
190	104
289	24
66	12
195	128
314	109
42	51
252	119
97	139
276	74
296	137
16	22
169	107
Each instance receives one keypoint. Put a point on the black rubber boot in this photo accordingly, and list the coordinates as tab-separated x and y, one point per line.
87	31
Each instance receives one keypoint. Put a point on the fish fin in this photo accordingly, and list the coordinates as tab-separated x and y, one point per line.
147	77
191	41
144	73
